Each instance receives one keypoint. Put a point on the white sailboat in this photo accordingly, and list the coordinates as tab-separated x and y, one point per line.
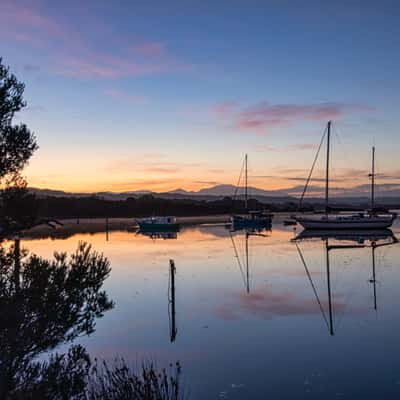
370	219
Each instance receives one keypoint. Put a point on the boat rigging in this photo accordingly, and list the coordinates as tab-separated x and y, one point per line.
365	219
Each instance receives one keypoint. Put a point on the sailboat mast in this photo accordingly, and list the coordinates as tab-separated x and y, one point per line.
328	143
373	179
245	182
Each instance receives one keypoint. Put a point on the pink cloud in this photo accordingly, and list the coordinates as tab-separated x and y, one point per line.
151	49
302	146
290	147
71	51
264	116
119	94
99	65
28	24
225	108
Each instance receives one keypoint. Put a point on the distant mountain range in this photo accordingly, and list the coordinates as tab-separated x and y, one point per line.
385	192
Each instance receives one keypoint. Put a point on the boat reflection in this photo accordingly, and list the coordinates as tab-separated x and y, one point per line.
358	236
362	239
243	262
159	235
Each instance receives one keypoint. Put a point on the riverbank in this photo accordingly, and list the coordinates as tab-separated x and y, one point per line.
94	225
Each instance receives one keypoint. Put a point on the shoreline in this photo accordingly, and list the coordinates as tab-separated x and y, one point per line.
94	225
72	226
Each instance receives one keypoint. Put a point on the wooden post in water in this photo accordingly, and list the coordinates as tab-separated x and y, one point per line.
107	229
173	330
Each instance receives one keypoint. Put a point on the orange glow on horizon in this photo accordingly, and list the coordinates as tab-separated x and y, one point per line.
87	187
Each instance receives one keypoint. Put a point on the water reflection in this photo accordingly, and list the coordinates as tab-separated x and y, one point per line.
343	240
43	304
243	260
171	302
229	339
159	235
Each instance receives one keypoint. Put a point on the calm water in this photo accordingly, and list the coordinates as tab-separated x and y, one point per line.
258	332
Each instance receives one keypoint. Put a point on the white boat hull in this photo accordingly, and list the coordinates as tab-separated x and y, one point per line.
372	222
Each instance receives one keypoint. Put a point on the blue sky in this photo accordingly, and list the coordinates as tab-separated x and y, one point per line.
126	96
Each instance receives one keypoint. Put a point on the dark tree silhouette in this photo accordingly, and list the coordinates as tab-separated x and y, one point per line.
20	208
44	304
17	142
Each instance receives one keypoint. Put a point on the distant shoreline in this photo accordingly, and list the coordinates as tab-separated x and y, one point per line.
95	225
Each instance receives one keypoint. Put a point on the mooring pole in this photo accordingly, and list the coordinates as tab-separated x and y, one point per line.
172	270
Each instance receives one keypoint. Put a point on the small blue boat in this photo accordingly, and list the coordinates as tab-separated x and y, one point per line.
158	224
253	220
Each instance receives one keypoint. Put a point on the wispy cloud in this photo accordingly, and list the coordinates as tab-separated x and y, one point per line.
263	116
291	147
208	182
122	95
107	66
73	54
150	49
159	166
225	108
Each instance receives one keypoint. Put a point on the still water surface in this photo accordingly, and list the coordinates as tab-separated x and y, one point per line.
262	332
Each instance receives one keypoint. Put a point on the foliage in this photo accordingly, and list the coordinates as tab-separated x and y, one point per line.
17	142
122	382
44	304
92	207
62	376
20	208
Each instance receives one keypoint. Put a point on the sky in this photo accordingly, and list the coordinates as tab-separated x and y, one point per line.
156	95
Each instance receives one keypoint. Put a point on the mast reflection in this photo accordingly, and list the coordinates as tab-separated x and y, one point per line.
361	238
244	263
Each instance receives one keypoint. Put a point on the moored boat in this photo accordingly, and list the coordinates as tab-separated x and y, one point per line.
370	219
251	219
158	224
254	220
356	221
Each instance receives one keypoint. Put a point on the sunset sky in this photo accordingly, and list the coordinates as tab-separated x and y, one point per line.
128	95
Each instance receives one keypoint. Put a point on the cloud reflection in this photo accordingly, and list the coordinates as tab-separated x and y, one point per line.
265	303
